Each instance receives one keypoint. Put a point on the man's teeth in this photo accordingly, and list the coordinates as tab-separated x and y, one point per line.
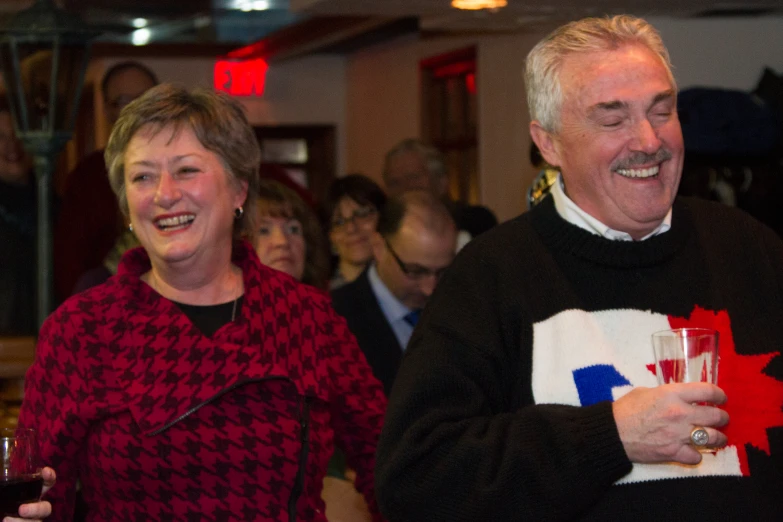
639	173
176	221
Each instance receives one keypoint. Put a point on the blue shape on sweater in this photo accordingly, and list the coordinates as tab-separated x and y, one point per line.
595	383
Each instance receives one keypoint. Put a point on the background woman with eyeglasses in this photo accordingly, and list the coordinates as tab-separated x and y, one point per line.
352	207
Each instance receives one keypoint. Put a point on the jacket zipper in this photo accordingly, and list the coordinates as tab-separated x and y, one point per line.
304	425
296	491
215	397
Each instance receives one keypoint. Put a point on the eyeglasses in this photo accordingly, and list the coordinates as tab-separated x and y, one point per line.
360	216
415	272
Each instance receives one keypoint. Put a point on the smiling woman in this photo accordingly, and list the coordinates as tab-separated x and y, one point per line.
197	380
181	205
290	238
352	207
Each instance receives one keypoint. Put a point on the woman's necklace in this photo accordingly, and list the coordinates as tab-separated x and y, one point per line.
237	288
234	309
153	282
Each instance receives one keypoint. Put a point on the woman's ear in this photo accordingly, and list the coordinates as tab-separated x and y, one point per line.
241	195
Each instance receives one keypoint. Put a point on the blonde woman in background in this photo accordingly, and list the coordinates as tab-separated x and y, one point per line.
290	238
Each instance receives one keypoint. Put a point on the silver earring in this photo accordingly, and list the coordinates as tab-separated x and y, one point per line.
130	227
239	212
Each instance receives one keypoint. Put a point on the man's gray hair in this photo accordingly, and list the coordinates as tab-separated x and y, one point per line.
542	68
432	157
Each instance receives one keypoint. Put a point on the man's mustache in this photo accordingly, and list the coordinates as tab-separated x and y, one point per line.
640	158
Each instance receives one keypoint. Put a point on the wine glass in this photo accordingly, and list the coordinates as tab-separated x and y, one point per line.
20	475
686	355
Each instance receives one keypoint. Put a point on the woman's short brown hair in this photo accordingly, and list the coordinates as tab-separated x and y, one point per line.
277	200
220	125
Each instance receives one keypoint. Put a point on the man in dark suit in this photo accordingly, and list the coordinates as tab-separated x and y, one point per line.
414	243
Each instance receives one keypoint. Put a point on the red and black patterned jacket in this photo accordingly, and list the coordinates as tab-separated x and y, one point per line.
159	422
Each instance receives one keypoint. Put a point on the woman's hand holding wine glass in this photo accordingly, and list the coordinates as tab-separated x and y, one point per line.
23	480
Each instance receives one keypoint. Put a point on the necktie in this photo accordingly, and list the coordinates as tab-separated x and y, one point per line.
413	317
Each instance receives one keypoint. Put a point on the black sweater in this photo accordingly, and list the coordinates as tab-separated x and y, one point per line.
502	407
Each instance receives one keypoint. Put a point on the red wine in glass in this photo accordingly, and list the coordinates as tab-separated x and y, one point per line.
20	474
17	491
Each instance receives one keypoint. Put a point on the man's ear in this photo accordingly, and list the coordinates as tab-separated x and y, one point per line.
546	143
378	248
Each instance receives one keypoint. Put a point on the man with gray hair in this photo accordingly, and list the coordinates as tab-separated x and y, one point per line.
529	389
414	165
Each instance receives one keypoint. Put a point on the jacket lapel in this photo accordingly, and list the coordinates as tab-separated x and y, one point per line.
167	368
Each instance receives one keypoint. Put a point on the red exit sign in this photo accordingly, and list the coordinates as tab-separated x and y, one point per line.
240	78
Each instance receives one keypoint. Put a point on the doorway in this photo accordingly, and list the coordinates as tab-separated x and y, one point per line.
306	152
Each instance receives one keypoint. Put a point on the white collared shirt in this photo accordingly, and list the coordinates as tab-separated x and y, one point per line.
571	212
392	308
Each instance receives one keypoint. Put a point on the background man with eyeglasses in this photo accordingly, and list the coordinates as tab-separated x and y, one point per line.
89	220
414	243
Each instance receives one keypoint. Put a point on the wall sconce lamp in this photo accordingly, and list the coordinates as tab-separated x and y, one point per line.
44	53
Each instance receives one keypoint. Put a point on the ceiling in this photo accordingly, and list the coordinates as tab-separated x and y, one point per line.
437	15
218	26
174	21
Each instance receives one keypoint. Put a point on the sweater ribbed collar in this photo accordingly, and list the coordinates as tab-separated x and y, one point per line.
565	237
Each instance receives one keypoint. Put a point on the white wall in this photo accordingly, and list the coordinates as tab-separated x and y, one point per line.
722	52
309	90
384	107
504	142
383	103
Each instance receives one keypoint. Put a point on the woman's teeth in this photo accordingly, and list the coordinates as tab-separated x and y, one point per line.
175	222
639	173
